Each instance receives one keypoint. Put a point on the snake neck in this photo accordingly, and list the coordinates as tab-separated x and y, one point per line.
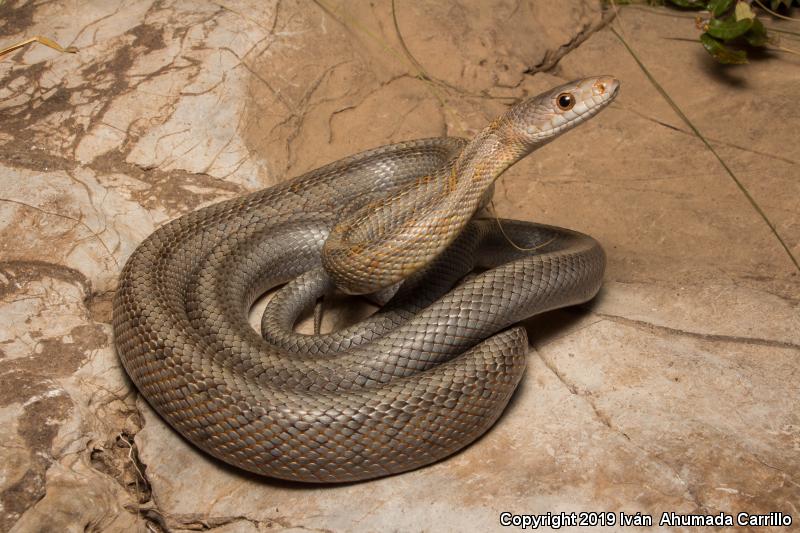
385	241
493	150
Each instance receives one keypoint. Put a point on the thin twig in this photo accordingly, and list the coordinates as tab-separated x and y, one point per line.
352	22
616	13
41	40
784	49
508	238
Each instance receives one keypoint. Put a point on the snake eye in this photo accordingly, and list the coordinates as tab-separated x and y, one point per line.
565	101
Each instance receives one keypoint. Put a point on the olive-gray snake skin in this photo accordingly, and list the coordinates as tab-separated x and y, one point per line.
412	384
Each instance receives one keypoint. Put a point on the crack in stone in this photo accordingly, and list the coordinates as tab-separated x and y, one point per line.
553	57
61	215
585	395
655	329
785	474
197	522
606	421
711	139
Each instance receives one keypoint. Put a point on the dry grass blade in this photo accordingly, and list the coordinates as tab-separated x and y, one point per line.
708	145
403	58
41	40
508	237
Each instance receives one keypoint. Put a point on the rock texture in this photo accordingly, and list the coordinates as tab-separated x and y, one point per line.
676	390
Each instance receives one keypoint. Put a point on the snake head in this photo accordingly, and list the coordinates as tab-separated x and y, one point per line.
540	119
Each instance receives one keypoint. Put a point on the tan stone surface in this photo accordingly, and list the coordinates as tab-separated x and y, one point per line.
676	390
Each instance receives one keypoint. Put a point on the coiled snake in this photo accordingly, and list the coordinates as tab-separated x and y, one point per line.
420	379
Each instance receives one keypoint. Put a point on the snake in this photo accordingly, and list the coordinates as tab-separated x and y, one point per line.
422	377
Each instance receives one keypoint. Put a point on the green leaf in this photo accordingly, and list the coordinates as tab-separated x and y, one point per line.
744	11
718	7
691	4
728	28
757	34
722	53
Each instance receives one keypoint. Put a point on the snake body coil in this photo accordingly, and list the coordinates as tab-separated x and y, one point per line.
420	379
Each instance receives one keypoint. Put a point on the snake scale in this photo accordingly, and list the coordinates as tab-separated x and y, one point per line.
415	382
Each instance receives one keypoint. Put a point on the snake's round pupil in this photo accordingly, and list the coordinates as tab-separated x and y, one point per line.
565	101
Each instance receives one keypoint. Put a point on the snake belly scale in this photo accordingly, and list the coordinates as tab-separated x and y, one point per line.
420	379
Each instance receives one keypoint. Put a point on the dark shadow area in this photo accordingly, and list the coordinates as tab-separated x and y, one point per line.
543	328
730	75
